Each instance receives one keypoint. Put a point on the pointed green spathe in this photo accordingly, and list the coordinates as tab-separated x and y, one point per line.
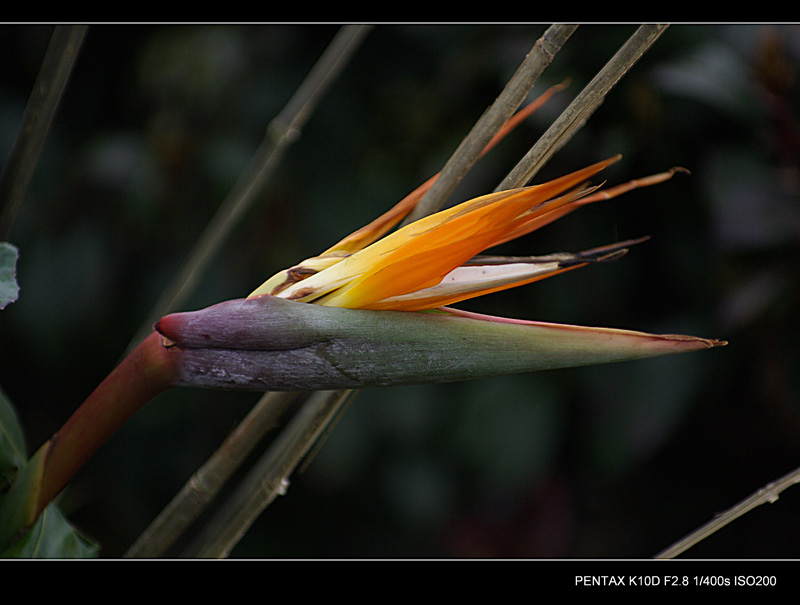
270	343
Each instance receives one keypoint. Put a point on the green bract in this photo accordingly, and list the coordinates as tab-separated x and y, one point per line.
269	343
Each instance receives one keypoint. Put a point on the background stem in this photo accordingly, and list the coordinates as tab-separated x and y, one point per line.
473	145
39	112
767	494
207	481
584	105
269	477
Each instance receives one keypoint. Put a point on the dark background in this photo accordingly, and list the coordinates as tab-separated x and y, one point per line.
619	461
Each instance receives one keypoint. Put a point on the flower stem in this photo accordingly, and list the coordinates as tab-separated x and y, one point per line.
147	371
143	374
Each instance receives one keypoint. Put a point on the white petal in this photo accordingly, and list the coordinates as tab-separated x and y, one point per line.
479	277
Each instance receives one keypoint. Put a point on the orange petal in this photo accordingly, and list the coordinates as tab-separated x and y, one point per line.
536	221
421	254
481	277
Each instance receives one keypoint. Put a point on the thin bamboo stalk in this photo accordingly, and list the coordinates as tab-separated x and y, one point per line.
46	94
767	494
203	486
509	100
584	105
269	478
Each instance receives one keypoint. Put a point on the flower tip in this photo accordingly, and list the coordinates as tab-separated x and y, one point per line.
166	326
695	342
170	327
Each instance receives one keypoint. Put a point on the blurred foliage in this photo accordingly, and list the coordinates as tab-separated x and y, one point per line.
52	537
9	289
615	461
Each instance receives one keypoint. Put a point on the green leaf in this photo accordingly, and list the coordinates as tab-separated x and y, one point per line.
52	537
9	290
12	441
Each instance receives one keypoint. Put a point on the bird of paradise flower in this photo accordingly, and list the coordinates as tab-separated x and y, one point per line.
379	315
436	260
